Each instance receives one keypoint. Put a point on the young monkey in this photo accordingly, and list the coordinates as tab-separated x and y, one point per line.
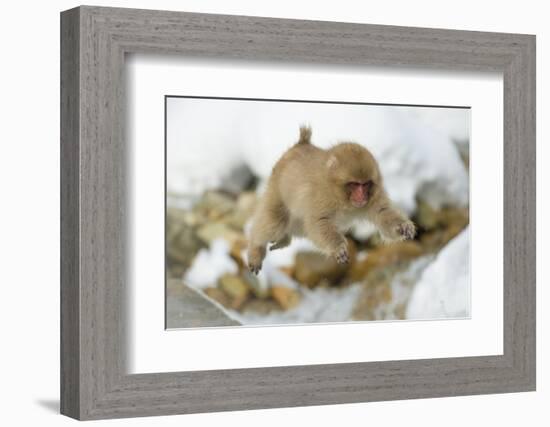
318	193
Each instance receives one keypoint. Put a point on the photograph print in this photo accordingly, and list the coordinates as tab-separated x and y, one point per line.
282	212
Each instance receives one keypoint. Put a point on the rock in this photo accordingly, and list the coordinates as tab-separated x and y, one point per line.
454	217
237	303
313	267
177	271
400	311
287	298
233	285
436	239
192	219
429	218
426	216
375	295
376	291
239	178
245	206
236	251
182	243
452	231
383	256
175	217
371	302
386	291
236	288
173	227
288	270
449	222
215	230
180	255
187	308
255	285
214	205
246	202
260	306
218	295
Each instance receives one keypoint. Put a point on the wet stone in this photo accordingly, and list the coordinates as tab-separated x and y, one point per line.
287	298
217	230
234	286
385	255
313	267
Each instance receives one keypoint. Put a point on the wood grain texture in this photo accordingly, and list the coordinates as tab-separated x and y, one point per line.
70	292
95	238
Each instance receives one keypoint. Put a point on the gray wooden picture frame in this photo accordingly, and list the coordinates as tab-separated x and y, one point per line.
94	381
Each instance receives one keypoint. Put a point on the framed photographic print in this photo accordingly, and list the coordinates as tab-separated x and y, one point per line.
261	213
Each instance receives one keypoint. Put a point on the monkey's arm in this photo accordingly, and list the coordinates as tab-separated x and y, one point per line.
322	231
392	223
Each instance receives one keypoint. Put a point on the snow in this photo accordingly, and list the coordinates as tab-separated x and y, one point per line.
442	287
209	264
212	262
201	145
455	123
209	139
443	290
317	305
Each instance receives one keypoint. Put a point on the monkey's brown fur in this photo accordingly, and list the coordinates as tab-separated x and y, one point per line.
313	193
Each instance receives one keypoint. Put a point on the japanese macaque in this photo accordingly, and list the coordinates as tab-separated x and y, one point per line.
318	194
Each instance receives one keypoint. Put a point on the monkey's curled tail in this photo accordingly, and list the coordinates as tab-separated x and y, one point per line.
305	135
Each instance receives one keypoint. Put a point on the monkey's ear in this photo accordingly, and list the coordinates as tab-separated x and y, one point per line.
332	161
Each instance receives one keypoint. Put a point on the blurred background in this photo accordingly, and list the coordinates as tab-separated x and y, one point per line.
220	153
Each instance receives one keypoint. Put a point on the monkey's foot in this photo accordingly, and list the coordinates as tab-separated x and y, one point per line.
254	268
341	255
406	230
255	258
282	243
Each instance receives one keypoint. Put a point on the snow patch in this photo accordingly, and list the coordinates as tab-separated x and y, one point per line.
443	290
210	264
320	305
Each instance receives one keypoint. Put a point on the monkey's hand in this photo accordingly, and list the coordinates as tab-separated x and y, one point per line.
399	230
341	254
282	243
407	230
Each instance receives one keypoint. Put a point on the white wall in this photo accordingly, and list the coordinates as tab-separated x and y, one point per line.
29	168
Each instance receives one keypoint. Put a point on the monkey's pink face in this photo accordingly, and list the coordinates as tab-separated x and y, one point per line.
354	171
359	192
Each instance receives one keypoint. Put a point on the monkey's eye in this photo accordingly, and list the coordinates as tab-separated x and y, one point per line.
353	184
